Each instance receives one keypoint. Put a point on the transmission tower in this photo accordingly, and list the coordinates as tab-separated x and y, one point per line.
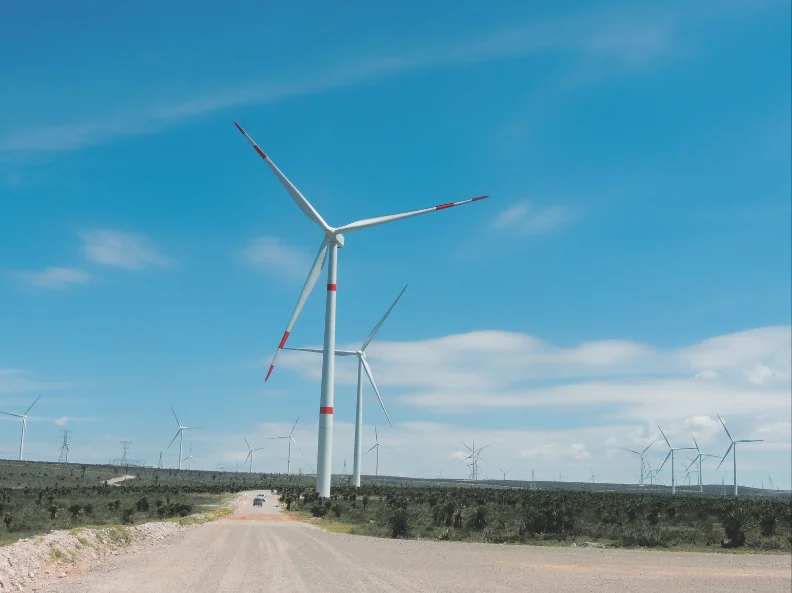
64	450
125	445
533	480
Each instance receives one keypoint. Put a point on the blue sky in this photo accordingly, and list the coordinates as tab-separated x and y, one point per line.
632	267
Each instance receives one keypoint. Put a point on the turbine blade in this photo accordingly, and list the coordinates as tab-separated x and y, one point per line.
664	436
246	442
31	406
630	450
10	414
297	445
317	350
298	198
173	439
725	456
295	425
751	441
664	460
468	448
310	282
724	427
248	456
694	440
175	416
381	321
386	447
370	222
370	450
647	448
370	375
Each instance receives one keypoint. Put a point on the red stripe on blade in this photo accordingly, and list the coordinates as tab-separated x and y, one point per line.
283	340
331	287
326	410
269	372
443	206
239	127
479	198
261	152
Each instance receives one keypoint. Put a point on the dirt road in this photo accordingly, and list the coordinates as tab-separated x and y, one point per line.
258	549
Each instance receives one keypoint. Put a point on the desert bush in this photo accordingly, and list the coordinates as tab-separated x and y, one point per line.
399	522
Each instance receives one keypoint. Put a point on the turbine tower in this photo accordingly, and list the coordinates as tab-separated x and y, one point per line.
641	455
671	455
250	455
377	446
180	434
290	440
332	240
363	366
733	448
23	417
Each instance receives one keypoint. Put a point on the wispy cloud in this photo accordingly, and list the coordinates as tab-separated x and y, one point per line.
15	381
272	254
123	250
618	39
525	218
53	278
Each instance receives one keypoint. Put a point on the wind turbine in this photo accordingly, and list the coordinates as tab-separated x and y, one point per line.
671	455
733	447
376	448
250	454
180	434
190	457
24	425
290	440
504	472
593	475
363	366
697	460
333	239
475	457
641	455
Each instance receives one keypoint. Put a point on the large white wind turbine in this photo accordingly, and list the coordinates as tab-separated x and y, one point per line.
250	454
363	366
733	448
180	434
333	239
671	455
641	455
290	440
475	457
23	417
377	446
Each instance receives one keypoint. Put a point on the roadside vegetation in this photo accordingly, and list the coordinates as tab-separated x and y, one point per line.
552	517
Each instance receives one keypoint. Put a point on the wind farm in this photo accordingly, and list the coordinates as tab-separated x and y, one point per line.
603	286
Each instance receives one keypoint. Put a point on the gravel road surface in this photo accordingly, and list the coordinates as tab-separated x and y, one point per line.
258	549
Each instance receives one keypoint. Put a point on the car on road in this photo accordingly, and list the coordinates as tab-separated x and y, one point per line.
259	500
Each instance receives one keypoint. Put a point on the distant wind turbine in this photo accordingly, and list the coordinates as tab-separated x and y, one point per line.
671	455
363	367
180	434
504	472
250	455
290	439
733	448
697	460
641	455
24	425
377	446
475	457
190	457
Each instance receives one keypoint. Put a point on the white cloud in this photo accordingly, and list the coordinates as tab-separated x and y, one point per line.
18	381
124	250
272	254
526	219
53	278
578	451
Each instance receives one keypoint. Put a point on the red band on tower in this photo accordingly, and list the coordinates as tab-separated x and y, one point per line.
326	410
331	287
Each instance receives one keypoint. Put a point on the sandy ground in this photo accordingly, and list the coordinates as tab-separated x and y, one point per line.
118	480
258	549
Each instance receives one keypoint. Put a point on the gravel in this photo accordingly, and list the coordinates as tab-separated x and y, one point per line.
254	550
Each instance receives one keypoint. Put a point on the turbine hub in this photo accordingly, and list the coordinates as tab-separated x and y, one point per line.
335	237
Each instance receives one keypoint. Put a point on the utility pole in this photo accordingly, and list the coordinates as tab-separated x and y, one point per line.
533	480
64	450
159	465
